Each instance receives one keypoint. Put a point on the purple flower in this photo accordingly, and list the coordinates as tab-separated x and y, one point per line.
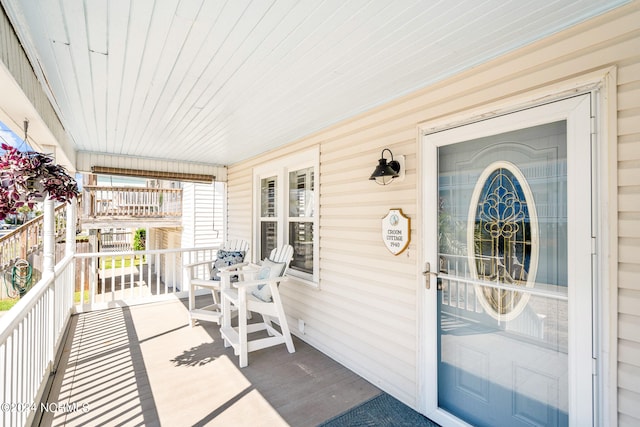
26	176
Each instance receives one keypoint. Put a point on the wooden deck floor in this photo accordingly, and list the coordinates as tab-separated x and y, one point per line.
143	365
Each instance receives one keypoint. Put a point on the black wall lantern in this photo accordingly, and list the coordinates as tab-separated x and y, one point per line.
385	172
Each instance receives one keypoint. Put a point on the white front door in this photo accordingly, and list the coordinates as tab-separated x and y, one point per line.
509	317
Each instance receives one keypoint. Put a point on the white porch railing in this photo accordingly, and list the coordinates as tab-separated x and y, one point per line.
109	279
138	202
30	335
32	331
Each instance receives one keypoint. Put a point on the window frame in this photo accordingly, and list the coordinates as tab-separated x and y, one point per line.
280	168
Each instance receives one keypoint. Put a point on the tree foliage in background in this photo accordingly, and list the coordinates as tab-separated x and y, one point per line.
140	239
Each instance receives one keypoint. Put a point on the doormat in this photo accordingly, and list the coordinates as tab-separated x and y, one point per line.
380	411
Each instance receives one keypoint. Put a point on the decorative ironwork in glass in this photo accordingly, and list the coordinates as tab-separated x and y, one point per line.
503	235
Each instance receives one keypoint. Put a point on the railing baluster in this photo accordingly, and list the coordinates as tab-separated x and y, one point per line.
121	274
19	395
28	353
81	263
10	375
158	272
4	383
133	267
103	279
174	278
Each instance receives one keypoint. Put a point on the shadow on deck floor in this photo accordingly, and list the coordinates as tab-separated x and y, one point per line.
143	365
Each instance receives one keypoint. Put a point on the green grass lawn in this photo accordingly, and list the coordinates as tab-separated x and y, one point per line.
117	262
6	304
76	297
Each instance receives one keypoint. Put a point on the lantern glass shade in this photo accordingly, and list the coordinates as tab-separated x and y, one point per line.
385	172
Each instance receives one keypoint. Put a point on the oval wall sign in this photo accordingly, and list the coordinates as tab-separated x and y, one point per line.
396	231
503	239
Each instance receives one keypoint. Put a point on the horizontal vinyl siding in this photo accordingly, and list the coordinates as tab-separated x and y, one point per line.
240	204
629	237
364	313
15	60
208	217
369	299
202	218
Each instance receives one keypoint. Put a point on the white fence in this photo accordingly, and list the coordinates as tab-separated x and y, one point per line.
32	331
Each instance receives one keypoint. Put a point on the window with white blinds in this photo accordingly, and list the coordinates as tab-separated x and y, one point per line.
286	192
301	218
268	215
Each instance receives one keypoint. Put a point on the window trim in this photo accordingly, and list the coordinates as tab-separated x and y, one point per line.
280	168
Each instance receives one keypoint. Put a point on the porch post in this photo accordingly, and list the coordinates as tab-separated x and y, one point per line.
70	247
70	250
49	227
48	237
48	264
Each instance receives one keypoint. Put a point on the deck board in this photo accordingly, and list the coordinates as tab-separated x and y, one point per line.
143	365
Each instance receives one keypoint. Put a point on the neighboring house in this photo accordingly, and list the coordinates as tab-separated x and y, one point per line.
174	214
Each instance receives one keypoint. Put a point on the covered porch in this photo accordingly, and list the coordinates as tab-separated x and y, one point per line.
143	365
73	354
95	349
308	96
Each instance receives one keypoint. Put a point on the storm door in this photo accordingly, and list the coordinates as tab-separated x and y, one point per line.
510	204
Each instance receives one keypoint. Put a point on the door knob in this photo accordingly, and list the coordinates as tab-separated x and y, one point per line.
427	273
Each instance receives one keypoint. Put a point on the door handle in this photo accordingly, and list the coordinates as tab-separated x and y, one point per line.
427	273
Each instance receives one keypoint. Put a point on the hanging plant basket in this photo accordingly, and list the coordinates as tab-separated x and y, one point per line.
27	177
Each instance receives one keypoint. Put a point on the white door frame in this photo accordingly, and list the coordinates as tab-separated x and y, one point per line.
601	86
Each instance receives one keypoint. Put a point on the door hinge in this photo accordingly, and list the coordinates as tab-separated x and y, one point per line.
594	246
594	367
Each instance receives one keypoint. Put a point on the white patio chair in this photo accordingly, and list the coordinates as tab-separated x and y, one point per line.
257	292
200	275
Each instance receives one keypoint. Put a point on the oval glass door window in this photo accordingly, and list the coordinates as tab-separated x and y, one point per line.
502	237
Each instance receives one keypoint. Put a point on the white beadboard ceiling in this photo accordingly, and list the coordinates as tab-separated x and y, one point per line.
220	81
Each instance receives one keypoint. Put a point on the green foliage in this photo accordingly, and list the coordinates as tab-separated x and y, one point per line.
140	239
